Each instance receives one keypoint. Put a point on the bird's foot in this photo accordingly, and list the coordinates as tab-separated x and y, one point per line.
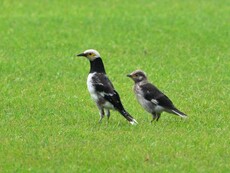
154	119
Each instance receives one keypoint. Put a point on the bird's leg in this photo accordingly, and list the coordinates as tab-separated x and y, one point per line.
158	116
154	115
107	112
102	114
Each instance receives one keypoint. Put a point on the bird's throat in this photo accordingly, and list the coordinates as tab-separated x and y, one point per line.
97	66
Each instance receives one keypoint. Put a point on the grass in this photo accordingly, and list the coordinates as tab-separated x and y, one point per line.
48	123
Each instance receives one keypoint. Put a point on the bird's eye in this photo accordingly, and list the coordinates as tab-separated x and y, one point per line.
90	53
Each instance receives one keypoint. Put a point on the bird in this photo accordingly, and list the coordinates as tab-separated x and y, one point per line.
151	98
101	88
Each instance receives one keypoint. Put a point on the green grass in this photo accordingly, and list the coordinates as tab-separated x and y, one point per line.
48	123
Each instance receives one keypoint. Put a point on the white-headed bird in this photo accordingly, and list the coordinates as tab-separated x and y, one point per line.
101	89
151	98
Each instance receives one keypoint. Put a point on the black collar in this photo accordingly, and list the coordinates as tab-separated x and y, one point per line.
97	66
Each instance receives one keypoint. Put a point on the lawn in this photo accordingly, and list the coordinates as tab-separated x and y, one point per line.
48	122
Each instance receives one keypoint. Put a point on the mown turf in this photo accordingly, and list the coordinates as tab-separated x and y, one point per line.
48	123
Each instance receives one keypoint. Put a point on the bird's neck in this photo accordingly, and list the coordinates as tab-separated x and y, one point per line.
142	82
97	66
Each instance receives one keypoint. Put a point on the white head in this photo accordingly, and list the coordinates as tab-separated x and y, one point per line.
90	54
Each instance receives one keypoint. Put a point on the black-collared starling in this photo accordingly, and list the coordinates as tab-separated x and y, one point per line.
101	89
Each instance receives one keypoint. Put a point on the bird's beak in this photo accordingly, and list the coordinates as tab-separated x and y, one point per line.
81	54
129	75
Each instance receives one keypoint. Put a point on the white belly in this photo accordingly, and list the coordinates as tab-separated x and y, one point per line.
159	109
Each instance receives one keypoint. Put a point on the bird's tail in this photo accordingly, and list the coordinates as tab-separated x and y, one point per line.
128	117
179	113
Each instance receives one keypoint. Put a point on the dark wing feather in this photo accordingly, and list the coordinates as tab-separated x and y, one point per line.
152	92
102	83
104	86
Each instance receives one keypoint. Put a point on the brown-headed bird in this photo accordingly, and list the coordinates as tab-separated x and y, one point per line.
151	98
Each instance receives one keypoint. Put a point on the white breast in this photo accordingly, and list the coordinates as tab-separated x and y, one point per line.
147	105
91	88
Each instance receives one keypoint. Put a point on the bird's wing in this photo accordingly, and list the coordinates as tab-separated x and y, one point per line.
105	88
153	94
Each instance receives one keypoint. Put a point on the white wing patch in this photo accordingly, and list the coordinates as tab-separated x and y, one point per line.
107	94
154	101
100	84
